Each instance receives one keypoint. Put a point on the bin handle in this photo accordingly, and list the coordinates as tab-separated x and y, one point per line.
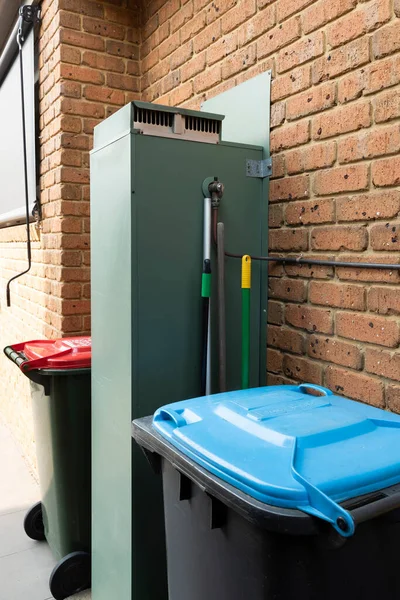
388	500
15	354
303	387
167	414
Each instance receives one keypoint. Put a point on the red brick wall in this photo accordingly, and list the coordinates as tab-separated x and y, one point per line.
89	66
335	141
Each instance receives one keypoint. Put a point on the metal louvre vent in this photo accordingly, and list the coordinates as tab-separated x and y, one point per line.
153	117
201	124
173	123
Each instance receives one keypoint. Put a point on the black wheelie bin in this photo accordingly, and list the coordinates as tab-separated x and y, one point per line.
60	375
278	493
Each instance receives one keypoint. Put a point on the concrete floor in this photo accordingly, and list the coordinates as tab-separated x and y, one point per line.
25	565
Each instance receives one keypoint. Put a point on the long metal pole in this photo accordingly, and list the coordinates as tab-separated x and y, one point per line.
221	307
207	256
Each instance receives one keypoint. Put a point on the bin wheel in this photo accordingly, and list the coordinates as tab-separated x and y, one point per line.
72	574
33	523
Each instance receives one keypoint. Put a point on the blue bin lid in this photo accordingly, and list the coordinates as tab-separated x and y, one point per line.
288	447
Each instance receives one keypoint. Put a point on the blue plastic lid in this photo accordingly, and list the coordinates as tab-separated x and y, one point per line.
289	448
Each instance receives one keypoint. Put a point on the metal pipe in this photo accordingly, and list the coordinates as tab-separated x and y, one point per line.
221	307
207	256
20	40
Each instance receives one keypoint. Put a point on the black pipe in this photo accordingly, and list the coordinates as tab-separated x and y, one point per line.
27	14
321	263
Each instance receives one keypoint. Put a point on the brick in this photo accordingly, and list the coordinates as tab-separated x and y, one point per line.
103	28
365	207
371	275
317	156
217	8
290	136
210	35
387	106
83	7
181	56
238	15
275	312
279	37
181	17
82	108
193	67
103	62
207	79
397	8
334	351
274	361
124	15
325	11
393	397
367	328
386	40
382	74
302	369
342	179
70	55
170	82
71	89
384	364
315	100
169	45
340	238
222	48
287	8
385	237
277	117
351	86
386	172
291	83
342	120
309	318
67	19
239	61
384	300
310	271
104	94
81	40
262	22
354	385
123	82
340	61
122	49
385	140
288	240
290	188
285	339
278	166
302	51
275	215
273	379
287	289
196	24
83	74
168	9
337	295
359	22
304	213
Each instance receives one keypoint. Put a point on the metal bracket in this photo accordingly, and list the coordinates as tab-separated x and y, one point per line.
259	168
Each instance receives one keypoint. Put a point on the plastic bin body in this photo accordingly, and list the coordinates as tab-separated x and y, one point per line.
60	376
225	543
62	421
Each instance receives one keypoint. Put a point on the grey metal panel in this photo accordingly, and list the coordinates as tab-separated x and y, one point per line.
247	111
12	194
111	369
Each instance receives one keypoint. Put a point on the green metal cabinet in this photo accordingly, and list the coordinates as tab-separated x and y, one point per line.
147	240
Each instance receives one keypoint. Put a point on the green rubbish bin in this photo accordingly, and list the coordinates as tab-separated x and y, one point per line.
60	375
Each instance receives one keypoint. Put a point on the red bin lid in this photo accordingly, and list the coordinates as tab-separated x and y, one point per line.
65	353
